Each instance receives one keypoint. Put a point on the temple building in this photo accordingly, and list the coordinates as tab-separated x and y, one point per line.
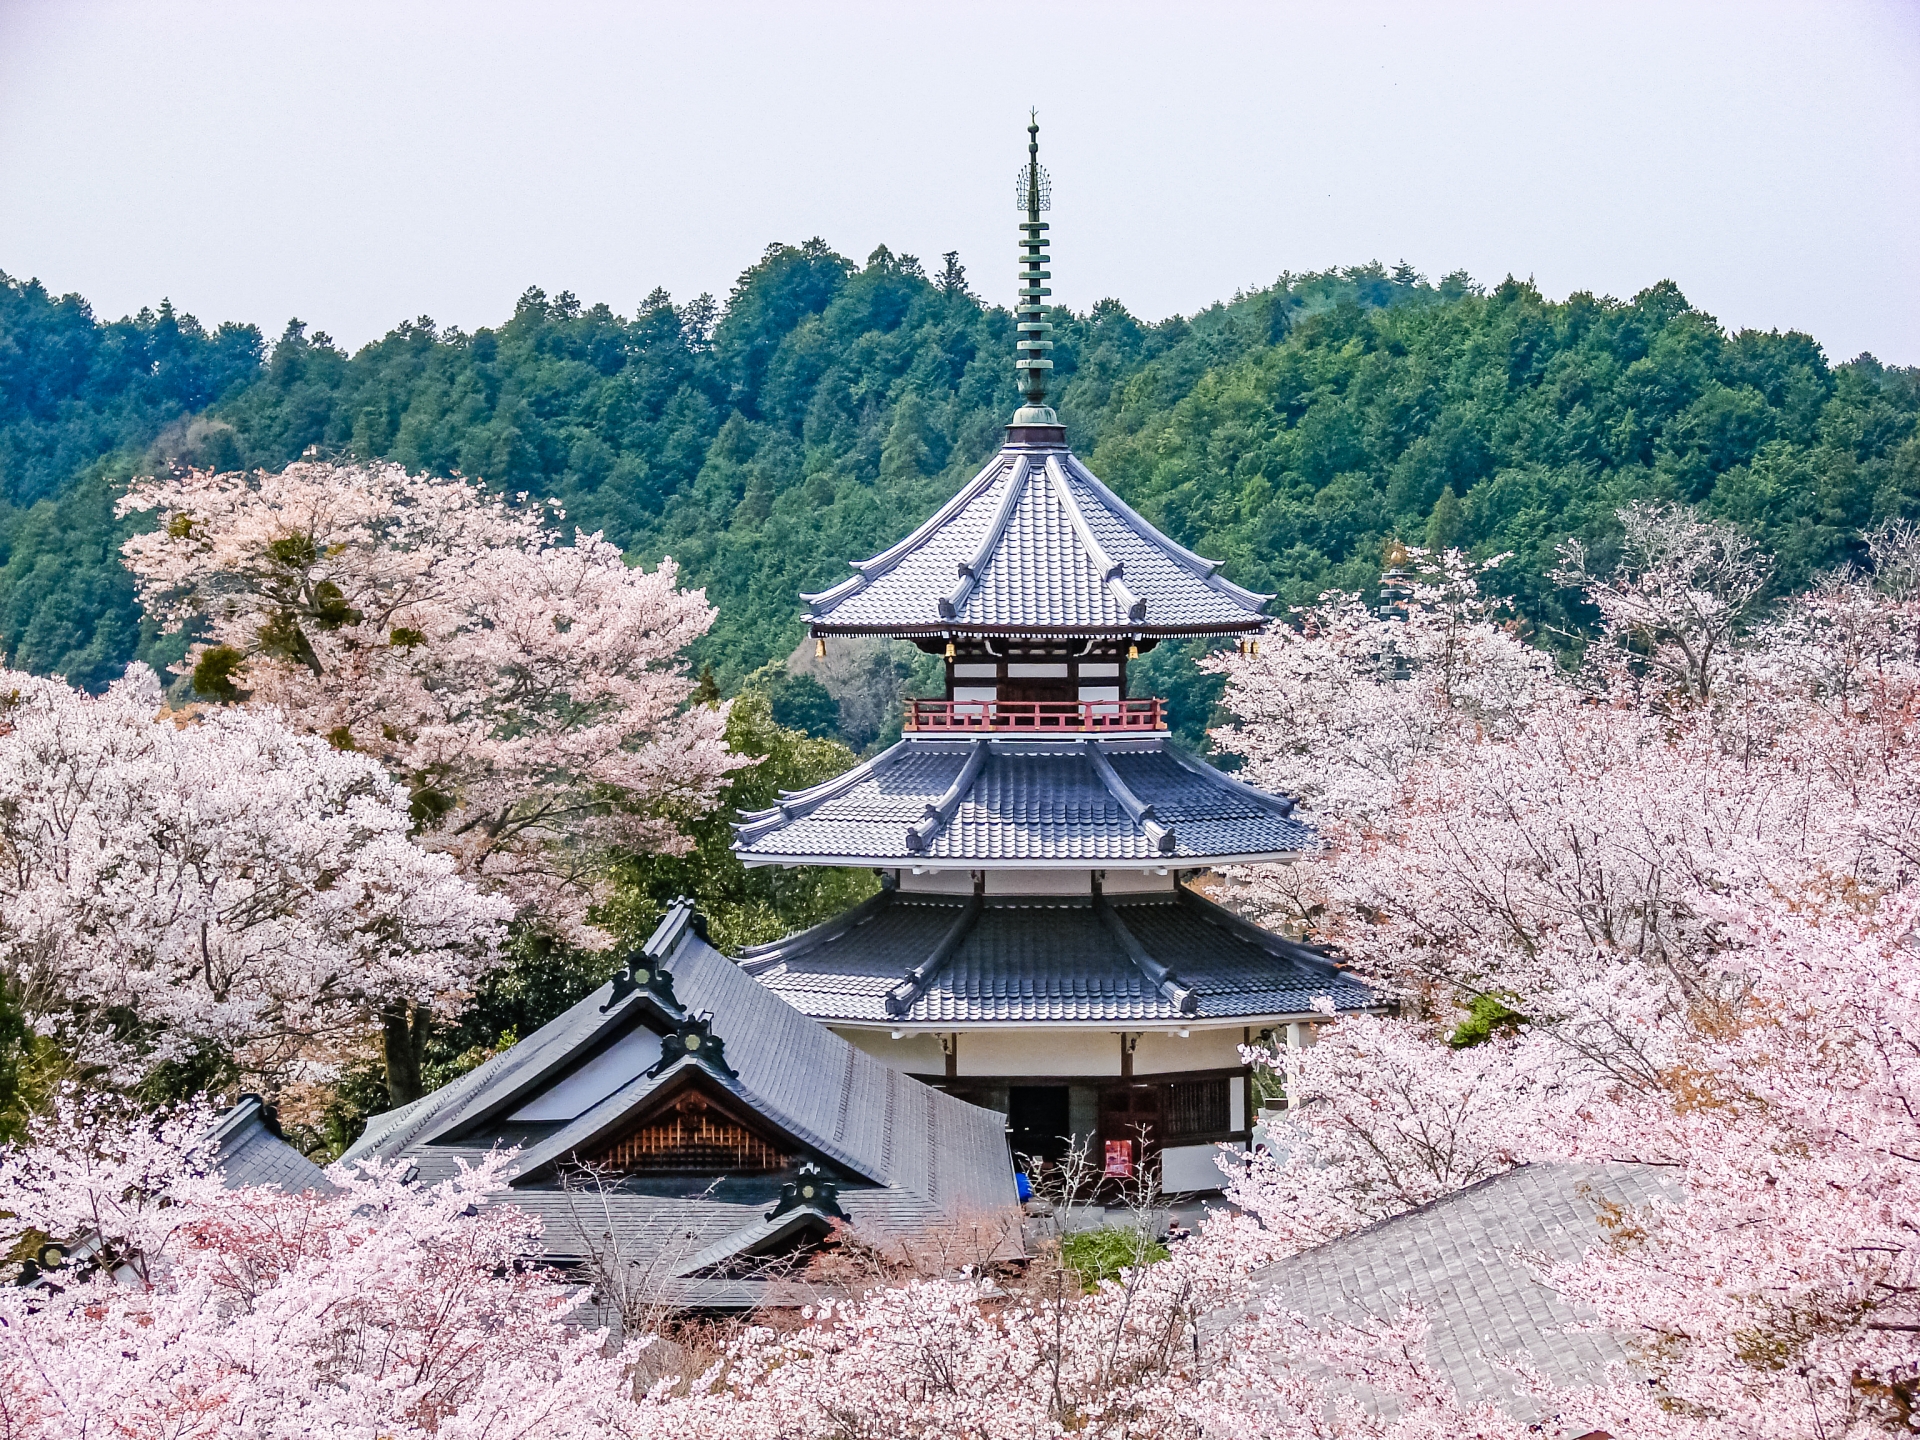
689	1122
1033	948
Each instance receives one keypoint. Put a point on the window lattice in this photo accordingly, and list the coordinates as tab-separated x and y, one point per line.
693	1136
1199	1107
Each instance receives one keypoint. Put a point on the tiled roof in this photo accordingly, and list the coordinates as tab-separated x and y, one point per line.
249	1150
909	1154
1460	1259
1036	542
1064	801
1053	959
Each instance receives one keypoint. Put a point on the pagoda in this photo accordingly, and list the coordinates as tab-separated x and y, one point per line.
1033	948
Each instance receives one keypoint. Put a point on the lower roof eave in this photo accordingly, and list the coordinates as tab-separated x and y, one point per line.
944	629
1180	1022
925	865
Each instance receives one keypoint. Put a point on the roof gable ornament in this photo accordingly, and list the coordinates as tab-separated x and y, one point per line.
693	1040
811	1189
646	969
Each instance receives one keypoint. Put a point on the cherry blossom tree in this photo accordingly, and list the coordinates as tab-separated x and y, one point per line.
1381	1116
1681	589
1783	1296
171	883
1342	701
381	1309
1699	920
529	694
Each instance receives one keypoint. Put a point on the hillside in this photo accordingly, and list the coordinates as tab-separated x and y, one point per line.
826	406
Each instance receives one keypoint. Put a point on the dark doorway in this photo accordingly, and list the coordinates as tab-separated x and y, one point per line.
1038	1120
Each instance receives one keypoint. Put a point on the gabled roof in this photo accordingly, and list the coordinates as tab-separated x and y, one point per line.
1463	1260
907	1153
1136	959
1026	803
1035	542
250	1150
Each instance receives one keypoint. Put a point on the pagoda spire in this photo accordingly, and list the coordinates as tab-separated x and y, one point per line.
1031	364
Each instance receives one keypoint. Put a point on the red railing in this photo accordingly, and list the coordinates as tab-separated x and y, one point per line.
1034	715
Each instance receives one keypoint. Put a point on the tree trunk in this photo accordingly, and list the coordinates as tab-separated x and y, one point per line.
404	1030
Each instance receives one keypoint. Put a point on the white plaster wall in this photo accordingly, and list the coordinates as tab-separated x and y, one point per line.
1039	882
945	882
1192	1167
1135	882
1157	1052
1039	1052
914	1054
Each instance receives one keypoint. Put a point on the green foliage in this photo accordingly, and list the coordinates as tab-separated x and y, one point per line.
1488	1016
213	673
742	906
73	389
802	703
828	406
1097	1255
31	1068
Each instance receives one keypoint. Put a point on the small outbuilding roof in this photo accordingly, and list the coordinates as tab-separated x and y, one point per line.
1463	1260
248	1149
915	959
1035	543
1026	803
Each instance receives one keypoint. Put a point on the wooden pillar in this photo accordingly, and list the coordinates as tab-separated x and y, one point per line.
951	1044
1246	1084
1127	1042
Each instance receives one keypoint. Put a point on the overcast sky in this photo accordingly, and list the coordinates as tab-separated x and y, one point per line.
357	165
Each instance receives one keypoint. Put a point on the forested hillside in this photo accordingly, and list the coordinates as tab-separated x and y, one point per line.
827	406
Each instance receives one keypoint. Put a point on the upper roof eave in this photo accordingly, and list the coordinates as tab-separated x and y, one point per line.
1064	470
934	864
1140	629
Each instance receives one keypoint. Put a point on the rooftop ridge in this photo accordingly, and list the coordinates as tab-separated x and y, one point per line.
874	567
972	569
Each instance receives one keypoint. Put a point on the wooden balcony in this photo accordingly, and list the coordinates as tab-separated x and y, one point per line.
941	716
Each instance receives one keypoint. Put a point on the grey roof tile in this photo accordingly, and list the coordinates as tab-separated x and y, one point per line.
913	1154
1030	800
1460	1259
1039	572
1050	960
249	1151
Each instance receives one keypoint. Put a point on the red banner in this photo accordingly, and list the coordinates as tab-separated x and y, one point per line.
1120	1158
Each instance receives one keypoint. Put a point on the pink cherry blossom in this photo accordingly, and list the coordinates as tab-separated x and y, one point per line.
530	694
220	880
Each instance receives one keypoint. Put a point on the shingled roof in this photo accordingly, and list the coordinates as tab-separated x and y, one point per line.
1036	543
682	1018
250	1150
1463	1260
926	959
1029	803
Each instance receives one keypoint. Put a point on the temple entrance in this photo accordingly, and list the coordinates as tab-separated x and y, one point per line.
1038	1120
